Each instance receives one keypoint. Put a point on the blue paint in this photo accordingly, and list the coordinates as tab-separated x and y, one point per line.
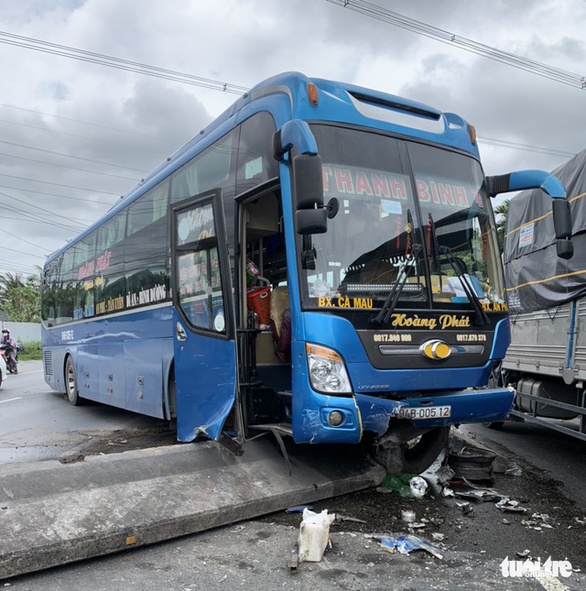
574	305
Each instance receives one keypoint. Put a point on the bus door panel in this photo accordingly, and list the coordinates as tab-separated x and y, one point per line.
204	332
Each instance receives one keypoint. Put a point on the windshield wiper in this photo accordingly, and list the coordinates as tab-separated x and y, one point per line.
391	302
481	316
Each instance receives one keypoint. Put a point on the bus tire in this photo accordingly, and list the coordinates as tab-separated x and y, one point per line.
71	389
403	458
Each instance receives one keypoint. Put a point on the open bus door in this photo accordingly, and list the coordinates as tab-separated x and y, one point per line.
204	327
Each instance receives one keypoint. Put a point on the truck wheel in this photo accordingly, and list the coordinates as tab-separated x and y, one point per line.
71	389
415	456
496	380
496	426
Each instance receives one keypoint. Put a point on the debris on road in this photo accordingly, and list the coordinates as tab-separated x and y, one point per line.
314	533
407	485
479	494
294	564
474	464
466	507
418	486
405	544
538	522
507	504
298	508
348	518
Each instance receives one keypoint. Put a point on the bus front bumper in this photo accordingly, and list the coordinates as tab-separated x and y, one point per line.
439	409
372	413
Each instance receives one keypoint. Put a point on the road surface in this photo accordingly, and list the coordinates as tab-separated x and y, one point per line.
474	540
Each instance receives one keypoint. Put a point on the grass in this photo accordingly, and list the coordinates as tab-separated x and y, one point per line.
32	351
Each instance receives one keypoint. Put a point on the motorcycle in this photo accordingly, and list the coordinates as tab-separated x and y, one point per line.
6	352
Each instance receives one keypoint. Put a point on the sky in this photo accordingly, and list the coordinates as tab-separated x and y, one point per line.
76	135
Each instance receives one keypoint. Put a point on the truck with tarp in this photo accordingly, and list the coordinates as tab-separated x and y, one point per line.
546	361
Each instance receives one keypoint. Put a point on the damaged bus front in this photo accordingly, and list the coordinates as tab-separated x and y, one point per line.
402	310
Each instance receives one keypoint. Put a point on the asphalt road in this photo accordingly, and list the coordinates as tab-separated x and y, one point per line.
474	542
563	457
39	424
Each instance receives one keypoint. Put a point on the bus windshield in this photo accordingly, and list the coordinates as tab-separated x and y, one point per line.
409	214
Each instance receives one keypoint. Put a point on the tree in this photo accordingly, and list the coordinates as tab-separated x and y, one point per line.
20	298
23	304
501	221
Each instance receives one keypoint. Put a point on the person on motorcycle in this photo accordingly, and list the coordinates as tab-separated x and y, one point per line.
11	347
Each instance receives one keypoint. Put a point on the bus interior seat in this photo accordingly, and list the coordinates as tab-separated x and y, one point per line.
281	321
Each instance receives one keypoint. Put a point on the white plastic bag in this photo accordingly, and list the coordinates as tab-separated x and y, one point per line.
314	533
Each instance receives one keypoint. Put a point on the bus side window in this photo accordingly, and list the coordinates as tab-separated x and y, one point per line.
84	269
64	289
110	280
145	257
255	156
51	290
148	209
209	170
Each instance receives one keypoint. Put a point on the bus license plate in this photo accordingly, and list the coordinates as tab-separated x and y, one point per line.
424	412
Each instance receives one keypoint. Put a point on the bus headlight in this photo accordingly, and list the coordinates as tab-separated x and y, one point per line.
327	372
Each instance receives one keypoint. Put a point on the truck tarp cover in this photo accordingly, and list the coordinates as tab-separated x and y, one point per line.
535	277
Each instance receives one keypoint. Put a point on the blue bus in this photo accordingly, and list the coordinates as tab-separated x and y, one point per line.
320	261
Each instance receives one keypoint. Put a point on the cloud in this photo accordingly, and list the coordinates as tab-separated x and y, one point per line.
118	125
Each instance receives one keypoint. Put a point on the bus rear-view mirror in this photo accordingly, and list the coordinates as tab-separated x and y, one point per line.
538	179
308	195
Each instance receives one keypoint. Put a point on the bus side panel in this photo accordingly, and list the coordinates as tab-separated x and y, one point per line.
54	367
110	368
88	378
147	363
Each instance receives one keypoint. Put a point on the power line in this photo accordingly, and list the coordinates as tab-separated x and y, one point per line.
356	5
117	129
83	137
38	256
52	214
117	63
74	157
510	59
44	220
26	191
45	162
23	178
525	147
11	265
4	231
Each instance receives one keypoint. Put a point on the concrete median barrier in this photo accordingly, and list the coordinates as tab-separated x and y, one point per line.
53	513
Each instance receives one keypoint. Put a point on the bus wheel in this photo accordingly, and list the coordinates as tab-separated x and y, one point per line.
413	456
71	389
